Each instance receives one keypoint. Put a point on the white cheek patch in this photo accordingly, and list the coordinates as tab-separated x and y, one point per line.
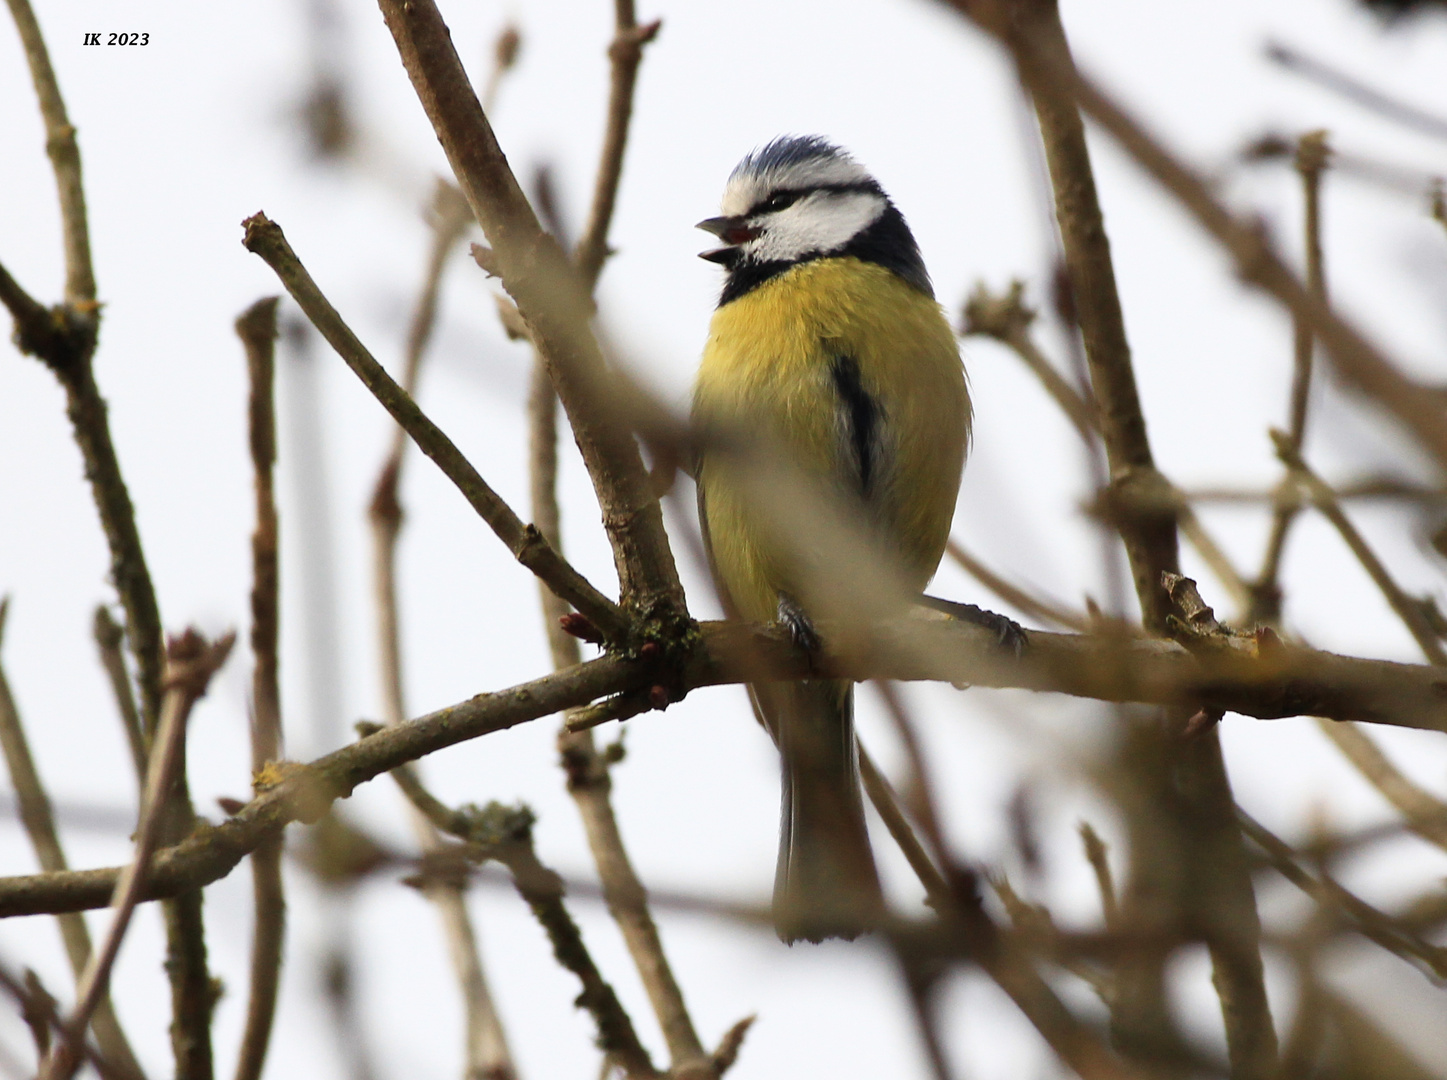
816	225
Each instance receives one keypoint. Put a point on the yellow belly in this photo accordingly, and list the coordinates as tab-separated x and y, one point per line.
766	369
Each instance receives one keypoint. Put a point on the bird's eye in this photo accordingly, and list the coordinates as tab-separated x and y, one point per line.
780	201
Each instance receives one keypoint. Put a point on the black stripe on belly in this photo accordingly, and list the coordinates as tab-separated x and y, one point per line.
861	415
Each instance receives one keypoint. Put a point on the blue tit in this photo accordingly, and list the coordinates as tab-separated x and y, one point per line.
829	347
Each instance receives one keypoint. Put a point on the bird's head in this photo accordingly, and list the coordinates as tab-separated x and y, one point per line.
800	198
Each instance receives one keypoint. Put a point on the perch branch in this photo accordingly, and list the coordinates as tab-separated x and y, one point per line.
1261	677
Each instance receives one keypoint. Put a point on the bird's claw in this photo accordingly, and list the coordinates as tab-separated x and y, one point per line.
1008	633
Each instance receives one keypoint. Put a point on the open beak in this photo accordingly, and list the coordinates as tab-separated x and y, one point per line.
733	231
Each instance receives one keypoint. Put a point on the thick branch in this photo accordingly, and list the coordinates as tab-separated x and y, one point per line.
551	299
1266	681
1186	783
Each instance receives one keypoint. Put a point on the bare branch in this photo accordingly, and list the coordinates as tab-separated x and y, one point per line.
191	661
624	54
257	329
1358	361
1013	595
1312	155
1355	90
1372	923
39	821
1409	610
108	638
64	155
1426	814
553	303
1096	855
1007	318
486	1047
505	834
1254	676
526	543
1189	778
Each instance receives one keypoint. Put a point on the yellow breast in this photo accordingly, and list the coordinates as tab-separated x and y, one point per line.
767	368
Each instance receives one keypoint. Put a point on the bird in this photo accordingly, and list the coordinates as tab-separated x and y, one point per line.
828	347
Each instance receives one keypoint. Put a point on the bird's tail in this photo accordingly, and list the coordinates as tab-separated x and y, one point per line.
826	885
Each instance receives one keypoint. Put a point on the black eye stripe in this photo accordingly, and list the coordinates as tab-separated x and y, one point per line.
781	200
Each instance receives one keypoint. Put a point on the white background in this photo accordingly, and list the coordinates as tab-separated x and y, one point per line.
183	138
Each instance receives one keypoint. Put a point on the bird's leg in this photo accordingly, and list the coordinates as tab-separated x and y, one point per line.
1009	634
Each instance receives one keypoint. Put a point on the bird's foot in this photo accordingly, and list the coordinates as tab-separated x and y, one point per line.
799	625
1008	633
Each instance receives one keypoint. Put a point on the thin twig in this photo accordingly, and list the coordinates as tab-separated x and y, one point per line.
64	154
1096	855
505	834
39	821
37	1008
1354	89
1015	596
589	780
891	809
1358	361
1371	922
505	51
191	661
624	53
919	788
526	543
1409	610
257	329
108	639
555	306
1426	814
485	1048
1007	319
967	931
1312	155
